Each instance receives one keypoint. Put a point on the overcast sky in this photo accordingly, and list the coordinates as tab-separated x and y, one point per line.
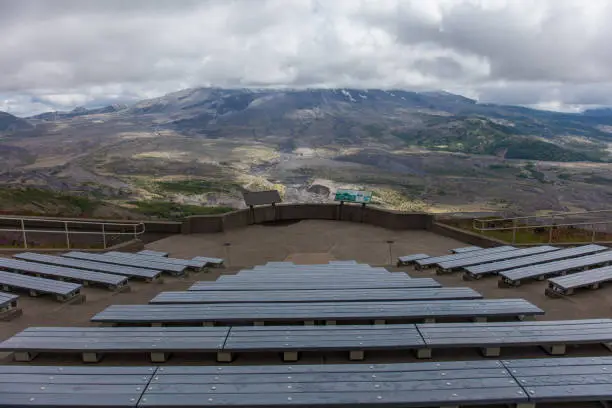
60	54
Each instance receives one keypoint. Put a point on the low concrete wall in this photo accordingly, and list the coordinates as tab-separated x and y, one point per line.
294	212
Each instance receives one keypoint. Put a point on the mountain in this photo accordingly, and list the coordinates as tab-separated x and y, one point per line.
416	150
11	123
78	111
431	120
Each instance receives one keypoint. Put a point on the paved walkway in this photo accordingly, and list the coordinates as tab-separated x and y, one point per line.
259	244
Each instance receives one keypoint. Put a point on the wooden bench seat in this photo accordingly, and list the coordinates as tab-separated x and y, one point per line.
303	296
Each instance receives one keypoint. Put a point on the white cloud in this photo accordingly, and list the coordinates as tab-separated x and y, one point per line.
66	52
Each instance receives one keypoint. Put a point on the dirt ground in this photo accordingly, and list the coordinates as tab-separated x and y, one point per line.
303	242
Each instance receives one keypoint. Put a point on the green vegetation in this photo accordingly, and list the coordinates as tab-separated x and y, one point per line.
197	186
477	135
530	149
172	211
35	201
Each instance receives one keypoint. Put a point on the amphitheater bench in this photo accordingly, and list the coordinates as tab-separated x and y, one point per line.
76	387
94	342
290	341
228	285
308	296
592	279
446	384
138	263
154	253
110	281
449	266
213	262
311	313
8	306
514	277
564	380
478	271
297	279
552	336
464	249
428	262
62	291
410	259
190	264
148	274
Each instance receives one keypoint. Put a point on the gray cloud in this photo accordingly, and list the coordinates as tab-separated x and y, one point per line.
62	53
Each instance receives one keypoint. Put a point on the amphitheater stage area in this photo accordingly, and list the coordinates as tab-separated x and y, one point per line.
304	242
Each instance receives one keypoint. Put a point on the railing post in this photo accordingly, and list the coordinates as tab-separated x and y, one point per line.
25	237
593	234
550	234
135	233
514	231
104	235
67	234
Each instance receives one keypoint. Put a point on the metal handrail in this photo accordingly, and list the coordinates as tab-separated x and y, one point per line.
515	226
106	228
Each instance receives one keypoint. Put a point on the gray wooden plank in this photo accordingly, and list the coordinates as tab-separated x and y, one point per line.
283	338
8	299
190	263
19	373
299	312
109	339
515	276
464	249
54	272
494	267
406	385
298	296
451	335
14	280
564	380
176	269
581	279
434	260
321	373
89	265
408	259
155	253
481	259
309	285
210	261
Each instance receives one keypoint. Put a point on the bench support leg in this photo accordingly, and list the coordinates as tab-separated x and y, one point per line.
157	357
225	357
309	323
480	319
525	318
330	323
429	320
259	323
491	351
423	353
555	350
380	321
91	357
208	324
593	286
24	356
33	293
356	355
290	356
